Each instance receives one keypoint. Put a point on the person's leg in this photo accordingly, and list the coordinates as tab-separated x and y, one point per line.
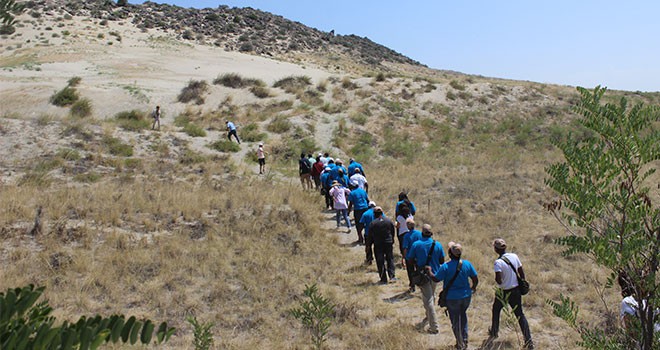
465	304
410	267
428	299
515	301
497	309
454	308
338	216
368	250
346	218
229	136
379	251
357	215
389	256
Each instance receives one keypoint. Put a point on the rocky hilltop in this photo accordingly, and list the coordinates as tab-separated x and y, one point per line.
235	29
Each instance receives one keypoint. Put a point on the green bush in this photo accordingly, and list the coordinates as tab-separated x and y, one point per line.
194	130
225	146
457	85
89	177
260	91
117	148
316	315
68	154
250	133
81	108
195	90
231	80
73	82
203	337
189	156
181	120
358	118
293	83
279	124
64	97
133	120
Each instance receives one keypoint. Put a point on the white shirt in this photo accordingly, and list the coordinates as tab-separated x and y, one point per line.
358	180
629	306
509	280
403	227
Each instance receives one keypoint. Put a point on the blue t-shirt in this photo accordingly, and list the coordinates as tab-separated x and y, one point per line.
413	210
326	180
367	218
231	126
410	238
354	165
419	251
460	289
343	180
359	199
334	173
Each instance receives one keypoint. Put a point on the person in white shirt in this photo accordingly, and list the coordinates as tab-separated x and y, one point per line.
359	181
507	281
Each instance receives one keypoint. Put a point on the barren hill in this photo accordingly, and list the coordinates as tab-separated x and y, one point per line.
176	223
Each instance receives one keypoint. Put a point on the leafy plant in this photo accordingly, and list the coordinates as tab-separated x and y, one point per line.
133	120
195	90
315	314
279	124
118	148
605	206
64	97
293	83
194	130
202	332
225	146
24	325
82	108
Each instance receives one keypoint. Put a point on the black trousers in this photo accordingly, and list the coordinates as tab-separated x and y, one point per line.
233	132
514	299
368	248
357	215
384	256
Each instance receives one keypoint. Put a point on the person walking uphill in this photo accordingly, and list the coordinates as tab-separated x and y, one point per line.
359	202
382	232
426	255
507	281
156	117
339	194
231	130
305	172
455	274
261	156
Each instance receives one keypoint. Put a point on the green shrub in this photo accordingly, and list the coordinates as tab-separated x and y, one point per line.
189	156
225	146
194	130
332	108
250	133
400	146
203	337
311	97
68	154
133	120
451	95
89	177
181	120
81	108
380	77
260	91
358	118
193	91
64	97
457	85
363	147
230	80
117	148
316	315
293	83
133	163
73	82
279	124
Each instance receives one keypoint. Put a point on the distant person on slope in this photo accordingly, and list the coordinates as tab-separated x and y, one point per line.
352	166
359	180
156	117
317	169
339	194
305	171
261	156
403	198
231	130
359	202
382	232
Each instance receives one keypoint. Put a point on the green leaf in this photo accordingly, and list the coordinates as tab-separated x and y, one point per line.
147	332
135	332
126	332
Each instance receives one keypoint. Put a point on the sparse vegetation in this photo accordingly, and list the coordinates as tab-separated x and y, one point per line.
279	125
225	146
64	97
194	91
293	84
133	120
194	130
82	108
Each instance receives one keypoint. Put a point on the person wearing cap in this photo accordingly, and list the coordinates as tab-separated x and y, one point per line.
339	193
317	169
365	220
417	256
410	237
359	202
507	283
326	185
359	180
231	130
352	166
261	156
459	293
381	229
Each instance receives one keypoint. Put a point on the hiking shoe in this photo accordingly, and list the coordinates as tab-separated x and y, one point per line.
382	283
411	289
432	331
529	345
393	279
420	326
368	262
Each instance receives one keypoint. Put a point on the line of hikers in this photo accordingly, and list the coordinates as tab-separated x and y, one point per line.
423	258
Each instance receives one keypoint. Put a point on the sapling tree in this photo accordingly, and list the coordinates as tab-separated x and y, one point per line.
607	209
315	314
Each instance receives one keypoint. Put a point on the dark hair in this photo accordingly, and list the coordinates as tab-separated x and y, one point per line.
326	154
318	159
404	210
625	283
302	155
403	196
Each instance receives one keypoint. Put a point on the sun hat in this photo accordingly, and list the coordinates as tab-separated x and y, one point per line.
372	204
410	220
378	210
335	183
499	244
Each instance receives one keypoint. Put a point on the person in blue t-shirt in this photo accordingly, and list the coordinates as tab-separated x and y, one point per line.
342	178
359	202
403	198
231	130
418	256
366	219
352	165
326	184
459	293
409	238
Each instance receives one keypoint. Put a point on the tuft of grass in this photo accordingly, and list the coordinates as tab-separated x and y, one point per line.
293	83
68	154
116	147
457	85
225	146
332	108
74	81
133	120
236	81
250	133
194	130
279	124
89	177
64	97
358	118
189	157
81	108
195	90
260	91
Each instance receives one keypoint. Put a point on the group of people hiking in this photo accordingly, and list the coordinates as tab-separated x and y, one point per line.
423	258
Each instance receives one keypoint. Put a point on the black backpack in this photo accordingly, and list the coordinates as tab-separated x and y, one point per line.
304	166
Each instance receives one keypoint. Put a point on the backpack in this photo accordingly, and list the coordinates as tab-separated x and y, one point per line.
304	166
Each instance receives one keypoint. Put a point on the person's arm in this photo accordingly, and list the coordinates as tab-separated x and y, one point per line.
366	187
475	282
498	277
429	272
521	272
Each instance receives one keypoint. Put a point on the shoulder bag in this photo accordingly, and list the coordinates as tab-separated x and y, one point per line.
419	276
523	285
442	298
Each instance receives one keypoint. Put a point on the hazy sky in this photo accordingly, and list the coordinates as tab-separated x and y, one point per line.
579	42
